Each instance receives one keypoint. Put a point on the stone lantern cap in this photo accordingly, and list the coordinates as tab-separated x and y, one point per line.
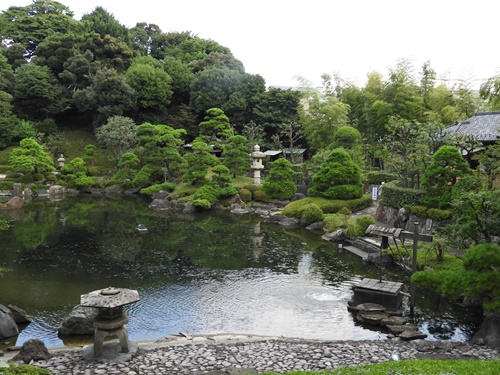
109	298
257	154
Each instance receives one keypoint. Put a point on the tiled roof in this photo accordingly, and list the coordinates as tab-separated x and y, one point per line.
485	126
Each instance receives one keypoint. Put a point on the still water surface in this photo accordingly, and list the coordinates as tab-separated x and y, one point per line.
207	273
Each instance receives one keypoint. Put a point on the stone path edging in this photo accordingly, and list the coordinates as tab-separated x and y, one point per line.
239	354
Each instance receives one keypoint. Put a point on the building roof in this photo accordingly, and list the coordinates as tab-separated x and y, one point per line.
485	126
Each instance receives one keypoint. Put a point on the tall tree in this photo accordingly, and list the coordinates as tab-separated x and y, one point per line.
104	23
161	145
108	95
152	85
28	26
235	155
215	129
118	135
37	94
8	120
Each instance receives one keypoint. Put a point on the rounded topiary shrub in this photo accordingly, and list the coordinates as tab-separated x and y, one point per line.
245	195
259	196
338	178
279	184
26	179
312	213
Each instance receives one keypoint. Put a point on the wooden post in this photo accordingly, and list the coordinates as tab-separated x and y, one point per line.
413	269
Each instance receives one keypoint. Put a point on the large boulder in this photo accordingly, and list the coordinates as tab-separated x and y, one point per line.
32	350
56	190
80	321
160	204
489	332
14	202
8	326
18	314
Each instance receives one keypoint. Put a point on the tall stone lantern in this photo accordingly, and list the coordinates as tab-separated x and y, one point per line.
257	166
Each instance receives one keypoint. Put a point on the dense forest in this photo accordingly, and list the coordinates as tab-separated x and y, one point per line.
58	73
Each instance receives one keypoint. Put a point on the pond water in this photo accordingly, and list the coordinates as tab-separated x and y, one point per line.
208	273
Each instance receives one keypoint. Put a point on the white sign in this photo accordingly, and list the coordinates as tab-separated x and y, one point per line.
374	193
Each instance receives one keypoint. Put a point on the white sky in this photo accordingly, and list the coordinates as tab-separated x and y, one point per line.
280	39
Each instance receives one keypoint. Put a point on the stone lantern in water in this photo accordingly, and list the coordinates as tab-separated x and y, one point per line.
257	166
111	319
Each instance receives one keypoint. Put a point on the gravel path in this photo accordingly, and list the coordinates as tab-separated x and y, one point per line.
251	355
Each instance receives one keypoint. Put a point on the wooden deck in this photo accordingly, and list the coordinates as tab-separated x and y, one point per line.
383	286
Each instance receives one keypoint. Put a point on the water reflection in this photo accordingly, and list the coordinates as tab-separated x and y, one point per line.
204	273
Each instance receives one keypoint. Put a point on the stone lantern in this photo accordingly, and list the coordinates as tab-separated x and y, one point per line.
257	166
61	161
111	319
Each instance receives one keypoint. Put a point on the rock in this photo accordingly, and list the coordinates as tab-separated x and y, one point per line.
114	189
240	211
42	192
368	307
316	226
14	202
132	191
8	327
32	350
489	332
18	314
372	318
189	208
17	189
237	200
80	321
56	190
297	197
335	236
289	222
401	218
96	191
412	335
162	194
394	321
274	219
160	204
398	329
262	212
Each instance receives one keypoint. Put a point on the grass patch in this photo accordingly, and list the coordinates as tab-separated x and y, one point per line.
420	367
184	191
328	206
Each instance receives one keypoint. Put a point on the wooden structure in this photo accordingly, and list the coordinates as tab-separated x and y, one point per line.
382	292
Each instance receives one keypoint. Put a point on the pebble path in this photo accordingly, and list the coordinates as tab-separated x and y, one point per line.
213	356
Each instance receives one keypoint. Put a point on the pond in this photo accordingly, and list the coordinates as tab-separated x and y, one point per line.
208	273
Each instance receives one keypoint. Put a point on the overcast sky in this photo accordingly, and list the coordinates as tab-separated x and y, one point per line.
281	39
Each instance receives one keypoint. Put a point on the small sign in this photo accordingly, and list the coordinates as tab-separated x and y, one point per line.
374	193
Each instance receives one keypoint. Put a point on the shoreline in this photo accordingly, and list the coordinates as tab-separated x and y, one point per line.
249	354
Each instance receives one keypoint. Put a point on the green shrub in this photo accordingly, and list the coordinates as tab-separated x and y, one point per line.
13	369
438	214
363	222
202	203
397	197
260	196
338	178
38	177
376	177
245	195
312	213
333	222
166	186
6	185
328	206
26	179
251	188
13	176
279	184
